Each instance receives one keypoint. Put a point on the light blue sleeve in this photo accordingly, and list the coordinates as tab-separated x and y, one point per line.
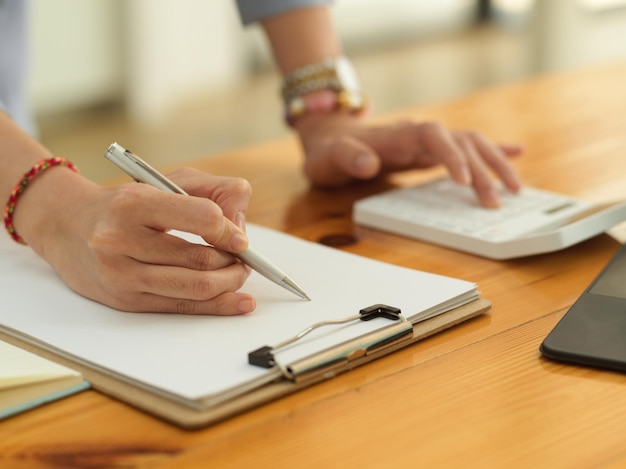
13	49
252	11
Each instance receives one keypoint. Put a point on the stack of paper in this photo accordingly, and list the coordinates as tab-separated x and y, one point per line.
28	380
201	361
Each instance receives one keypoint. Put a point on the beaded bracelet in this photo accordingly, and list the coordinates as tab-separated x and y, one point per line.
322	87
323	101
9	208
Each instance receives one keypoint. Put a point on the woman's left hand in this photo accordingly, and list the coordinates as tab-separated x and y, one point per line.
341	147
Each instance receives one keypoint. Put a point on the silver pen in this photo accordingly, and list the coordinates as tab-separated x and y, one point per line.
141	171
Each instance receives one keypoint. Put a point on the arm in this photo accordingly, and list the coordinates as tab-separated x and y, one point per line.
340	146
301	37
111	244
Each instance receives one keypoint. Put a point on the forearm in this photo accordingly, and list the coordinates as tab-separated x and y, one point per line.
46	197
301	37
18	152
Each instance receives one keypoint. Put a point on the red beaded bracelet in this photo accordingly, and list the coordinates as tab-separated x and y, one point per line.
9	208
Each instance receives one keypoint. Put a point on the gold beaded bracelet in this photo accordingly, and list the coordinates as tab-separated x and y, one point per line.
334	77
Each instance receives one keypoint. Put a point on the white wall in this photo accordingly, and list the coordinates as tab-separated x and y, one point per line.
176	50
367	23
74	53
587	32
151	53
155	54
364	24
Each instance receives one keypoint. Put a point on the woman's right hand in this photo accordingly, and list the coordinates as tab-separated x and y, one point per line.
110	244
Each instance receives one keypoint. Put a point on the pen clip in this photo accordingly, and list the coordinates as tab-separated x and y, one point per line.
139	169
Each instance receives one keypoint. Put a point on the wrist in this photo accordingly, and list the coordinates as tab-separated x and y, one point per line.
45	209
327	86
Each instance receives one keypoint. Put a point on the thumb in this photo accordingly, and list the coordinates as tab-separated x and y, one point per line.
340	161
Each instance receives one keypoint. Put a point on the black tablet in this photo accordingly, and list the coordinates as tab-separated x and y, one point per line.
593	331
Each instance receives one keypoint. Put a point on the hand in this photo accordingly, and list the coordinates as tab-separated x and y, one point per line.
112	245
341	147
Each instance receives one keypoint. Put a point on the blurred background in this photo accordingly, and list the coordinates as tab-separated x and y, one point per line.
180	80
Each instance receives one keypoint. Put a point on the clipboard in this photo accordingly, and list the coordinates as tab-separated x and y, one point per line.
193	370
192	418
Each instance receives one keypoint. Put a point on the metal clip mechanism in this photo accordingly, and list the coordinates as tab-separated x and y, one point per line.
339	355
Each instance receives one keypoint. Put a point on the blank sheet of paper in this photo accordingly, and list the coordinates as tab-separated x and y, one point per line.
196	357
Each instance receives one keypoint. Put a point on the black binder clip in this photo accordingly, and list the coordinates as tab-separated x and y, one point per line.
264	356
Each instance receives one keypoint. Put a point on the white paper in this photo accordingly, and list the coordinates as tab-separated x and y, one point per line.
19	367
198	356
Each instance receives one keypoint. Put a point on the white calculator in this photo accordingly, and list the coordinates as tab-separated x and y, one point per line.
530	222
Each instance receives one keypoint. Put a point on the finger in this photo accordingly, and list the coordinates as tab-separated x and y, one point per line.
441	144
232	194
226	304
181	283
398	146
114	238
497	160
163	211
482	182
344	159
159	248
511	149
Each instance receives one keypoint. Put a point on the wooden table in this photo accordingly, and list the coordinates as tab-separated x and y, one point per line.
478	395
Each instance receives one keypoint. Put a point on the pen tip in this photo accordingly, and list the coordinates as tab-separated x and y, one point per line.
294	288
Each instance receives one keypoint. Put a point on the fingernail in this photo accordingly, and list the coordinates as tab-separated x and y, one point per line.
465	176
516	184
246	306
240	219
365	164
239	242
